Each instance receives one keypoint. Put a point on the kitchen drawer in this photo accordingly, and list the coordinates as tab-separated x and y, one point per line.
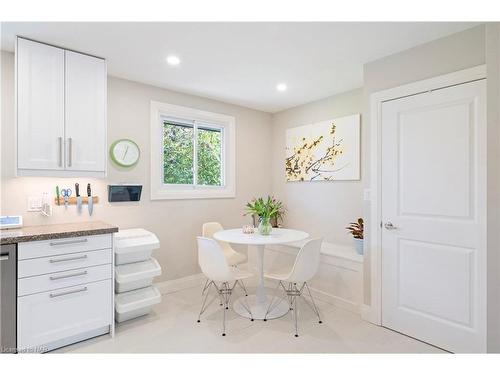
44	318
58	280
38	249
66	262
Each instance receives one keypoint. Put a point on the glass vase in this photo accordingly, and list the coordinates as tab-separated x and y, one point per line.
265	226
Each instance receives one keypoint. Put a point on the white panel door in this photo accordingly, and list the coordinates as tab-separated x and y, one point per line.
434	216
40	106
85	112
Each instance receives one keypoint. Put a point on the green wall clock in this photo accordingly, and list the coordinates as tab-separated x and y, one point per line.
125	152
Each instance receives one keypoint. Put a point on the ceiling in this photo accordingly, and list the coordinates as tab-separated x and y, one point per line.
239	63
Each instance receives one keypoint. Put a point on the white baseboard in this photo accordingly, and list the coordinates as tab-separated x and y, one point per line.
335	300
368	314
171	286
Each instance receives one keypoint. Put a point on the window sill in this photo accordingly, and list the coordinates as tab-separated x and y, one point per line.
165	194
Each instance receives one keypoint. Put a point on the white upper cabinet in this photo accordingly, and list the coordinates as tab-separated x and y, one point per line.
85	112
61	112
40	106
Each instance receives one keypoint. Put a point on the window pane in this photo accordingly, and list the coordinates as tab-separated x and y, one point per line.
177	153
209	156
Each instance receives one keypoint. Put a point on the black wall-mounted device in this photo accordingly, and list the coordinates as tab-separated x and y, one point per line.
124	193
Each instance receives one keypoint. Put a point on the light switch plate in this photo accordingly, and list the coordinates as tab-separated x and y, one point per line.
34	204
367	194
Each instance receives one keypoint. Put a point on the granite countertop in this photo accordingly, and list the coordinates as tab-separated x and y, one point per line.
52	231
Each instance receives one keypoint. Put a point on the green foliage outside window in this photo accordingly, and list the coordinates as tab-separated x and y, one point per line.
209	157
178	157
177	154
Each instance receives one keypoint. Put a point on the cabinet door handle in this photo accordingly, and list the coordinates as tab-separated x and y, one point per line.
70	151
53	295
67	276
60	151
68	242
4	256
68	259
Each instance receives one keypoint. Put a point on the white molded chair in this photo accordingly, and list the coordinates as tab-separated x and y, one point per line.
220	275
233	257
294	281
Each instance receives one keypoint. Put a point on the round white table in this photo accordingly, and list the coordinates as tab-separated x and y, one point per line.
259	303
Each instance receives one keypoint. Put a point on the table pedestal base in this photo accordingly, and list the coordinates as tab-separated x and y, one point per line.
259	309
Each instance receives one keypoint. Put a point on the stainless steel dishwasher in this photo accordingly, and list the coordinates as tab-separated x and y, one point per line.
8	298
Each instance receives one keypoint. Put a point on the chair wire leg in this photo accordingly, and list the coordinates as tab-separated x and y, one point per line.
270	307
221	302
295	313
202	310
290	298
225	292
245	305
316	310
242	284
205	287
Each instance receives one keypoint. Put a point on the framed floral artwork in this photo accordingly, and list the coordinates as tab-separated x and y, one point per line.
324	151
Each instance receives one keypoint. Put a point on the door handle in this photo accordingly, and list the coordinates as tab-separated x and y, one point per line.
390	226
4	256
68	242
60	151
67	276
67	259
53	295
70	151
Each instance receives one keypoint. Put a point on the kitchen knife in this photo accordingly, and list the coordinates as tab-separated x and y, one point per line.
78	198
90	202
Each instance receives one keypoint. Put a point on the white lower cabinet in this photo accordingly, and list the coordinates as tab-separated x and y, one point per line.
49	317
65	262
64	297
44	283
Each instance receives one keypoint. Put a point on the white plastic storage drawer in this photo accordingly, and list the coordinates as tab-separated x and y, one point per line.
37	249
136	275
134	245
136	303
66	262
45	318
65	279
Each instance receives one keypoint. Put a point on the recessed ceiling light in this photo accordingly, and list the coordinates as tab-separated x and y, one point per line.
173	60
281	87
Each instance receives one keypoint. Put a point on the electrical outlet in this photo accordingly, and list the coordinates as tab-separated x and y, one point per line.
34	204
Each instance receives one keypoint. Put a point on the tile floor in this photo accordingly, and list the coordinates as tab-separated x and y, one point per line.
172	328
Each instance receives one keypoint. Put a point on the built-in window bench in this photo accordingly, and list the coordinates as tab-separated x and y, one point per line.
340	276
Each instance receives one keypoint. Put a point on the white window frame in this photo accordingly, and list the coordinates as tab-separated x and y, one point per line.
160	190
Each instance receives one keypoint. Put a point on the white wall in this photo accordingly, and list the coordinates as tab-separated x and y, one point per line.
493	87
175	222
452	53
476	46
322	208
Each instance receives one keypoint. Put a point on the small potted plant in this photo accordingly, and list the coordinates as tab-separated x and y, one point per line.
269	211
357	231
